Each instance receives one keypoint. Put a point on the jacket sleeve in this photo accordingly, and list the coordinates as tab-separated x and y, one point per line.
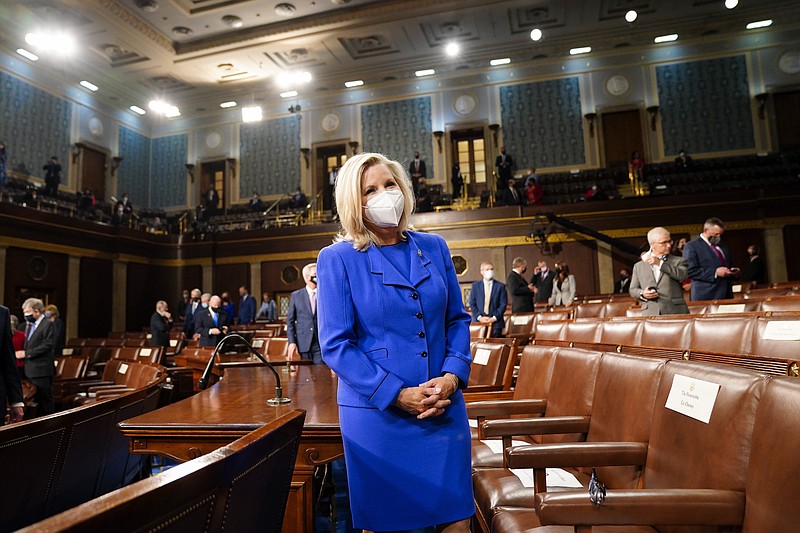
457	355
569	295
44	348
635	287
502	303
675	268
473	304
697	270
338	338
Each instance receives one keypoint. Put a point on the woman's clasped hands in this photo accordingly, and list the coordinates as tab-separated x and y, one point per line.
428	399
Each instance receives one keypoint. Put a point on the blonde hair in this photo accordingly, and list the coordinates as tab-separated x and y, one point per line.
348	199
52	308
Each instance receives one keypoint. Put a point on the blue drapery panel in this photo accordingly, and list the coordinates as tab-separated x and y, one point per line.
396	129
270	156
133	175
168	171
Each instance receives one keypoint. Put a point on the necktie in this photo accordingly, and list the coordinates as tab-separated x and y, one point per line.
514	194
720	256
487	290
215	316
28	331
313	300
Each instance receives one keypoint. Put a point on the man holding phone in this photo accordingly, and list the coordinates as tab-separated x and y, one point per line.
709	262
657	278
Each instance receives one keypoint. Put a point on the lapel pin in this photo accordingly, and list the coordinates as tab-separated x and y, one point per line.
419	253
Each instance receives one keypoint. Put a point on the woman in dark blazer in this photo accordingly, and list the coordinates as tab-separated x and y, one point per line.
393	327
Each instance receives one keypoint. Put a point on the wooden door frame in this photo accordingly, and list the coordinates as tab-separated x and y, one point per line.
647	152
76	165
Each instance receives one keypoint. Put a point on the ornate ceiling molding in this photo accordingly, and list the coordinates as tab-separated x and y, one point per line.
128	17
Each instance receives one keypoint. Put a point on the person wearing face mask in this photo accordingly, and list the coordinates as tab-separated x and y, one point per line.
183	303
301	320
212	322
192	307
709	263
657	278
520	290
201	309
160	324
488	300
39	362
392	326
542	282
755	270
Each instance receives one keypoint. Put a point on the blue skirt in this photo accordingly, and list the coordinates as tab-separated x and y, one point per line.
404	473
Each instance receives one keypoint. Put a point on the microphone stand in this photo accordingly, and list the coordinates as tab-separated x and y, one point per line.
202	383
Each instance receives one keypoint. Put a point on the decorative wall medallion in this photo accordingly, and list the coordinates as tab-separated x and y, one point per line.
617	85
460	264
330	122
213	139
37	268
789	62
95	126
465	104
290	275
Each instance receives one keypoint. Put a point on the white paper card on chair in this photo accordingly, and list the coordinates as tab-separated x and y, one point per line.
66	351
692	397
481	356
258	343
556	477
123	369
736	288
473	423
521	320
145	352
730	308
782	330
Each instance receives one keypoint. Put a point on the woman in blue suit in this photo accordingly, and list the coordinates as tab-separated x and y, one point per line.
393	327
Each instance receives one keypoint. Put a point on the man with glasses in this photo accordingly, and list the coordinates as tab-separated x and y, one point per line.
709	263
657	278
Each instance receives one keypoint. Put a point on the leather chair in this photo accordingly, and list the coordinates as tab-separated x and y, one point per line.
721	307
492	367
666	332
783	303
622	332
618	307
550	330
583	331
592	310
721	334
478	330
759	345
521	326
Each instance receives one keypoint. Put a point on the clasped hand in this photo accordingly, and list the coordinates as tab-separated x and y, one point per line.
427	399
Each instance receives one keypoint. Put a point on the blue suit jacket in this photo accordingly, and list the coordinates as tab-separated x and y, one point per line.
703	263
189	318
247	310
381	332
497	304
301	323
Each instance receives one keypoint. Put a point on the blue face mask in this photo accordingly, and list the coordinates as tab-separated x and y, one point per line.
205	305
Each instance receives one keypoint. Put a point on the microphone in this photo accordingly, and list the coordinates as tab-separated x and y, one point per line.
202	383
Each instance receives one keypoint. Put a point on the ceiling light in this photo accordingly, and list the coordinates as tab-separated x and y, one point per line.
147	5
172	112
536	34
452	49
730	4
29	55
232	21
292	79
289	94
666	38
89	85
759	24
631	15
580	50
285	10
251	113
425	72
138	110
225	105
60	42
354	83
163	108
503	61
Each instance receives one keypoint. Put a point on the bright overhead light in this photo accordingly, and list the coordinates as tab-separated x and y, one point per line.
251	113
138	110
425	72
452	49
580	50
89	85
29	55
759	24
730	4
289	94
354	83
536	34
225	105
292	79
666	38
163	108
631	15
60	42
502	61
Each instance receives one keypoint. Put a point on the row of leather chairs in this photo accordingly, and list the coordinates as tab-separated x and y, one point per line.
587	409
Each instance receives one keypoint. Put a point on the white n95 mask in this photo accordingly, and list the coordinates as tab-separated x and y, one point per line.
385	209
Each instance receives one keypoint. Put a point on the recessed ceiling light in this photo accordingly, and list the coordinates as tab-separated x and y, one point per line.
181	31
425	72
536	34
138	110
631	15
759	24
89	85
147	5
285	10
730	4
452	49
29	55
666	38
502	61
580	50
289	94
354	83
225	105
252	113
232	21
59	42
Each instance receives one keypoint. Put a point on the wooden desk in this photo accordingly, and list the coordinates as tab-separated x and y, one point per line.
237	405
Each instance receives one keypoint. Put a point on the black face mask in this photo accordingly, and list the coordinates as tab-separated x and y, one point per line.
30	318
524	270
195	299
226	299
215	309
314	280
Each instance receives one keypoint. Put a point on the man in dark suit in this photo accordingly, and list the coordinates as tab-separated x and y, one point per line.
755	269
710	263
542	282
301	321
212	323
247	306
488	300
622	284
503	164
39	362
520	290
192	307
10	385
658	276
511	195
160	324
416	169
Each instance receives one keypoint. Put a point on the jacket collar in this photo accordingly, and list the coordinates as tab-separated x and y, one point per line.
418	272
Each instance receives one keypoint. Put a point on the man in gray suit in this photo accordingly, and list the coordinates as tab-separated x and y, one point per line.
301	321
657	278
39	364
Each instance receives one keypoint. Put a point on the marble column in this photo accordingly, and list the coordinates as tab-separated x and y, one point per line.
775	255
73	295
605	268
120	295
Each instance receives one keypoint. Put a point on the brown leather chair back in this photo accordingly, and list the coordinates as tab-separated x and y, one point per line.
618	307
127	353
721	307
593	310
71	367
278	347
671	333
521	325
489	368
721	334
535	372
698	308
769	293
551	330
783	303
588	331
621	332
562	314
478	330
768	342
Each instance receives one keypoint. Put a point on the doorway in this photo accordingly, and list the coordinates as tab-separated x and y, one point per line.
787	118
93	171
328	161
622	134
213	174
468	151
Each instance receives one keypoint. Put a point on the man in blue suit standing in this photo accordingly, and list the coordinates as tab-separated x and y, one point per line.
192	309
488	310
301	321
710	263
247	306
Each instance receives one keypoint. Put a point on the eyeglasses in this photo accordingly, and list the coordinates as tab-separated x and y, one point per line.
664	242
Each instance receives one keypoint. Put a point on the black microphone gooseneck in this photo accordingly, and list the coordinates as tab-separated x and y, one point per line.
202	383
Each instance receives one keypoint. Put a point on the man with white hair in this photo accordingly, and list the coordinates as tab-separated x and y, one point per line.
657	278
39	362
212	323
160	324
301	321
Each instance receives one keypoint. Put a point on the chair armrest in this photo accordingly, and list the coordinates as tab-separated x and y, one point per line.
535	426
643	507
74	387
99	388
506	407
561	455
470	397
107	393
